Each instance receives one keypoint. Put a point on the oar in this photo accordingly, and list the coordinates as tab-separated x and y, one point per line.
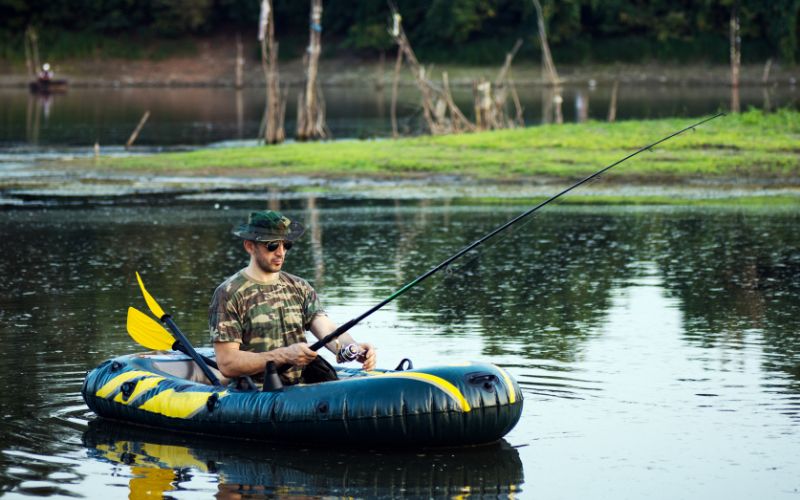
149	333
350	324
176	333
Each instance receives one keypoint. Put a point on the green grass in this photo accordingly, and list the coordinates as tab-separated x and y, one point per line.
750	145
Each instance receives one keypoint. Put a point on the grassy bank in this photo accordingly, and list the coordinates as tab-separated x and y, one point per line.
747	146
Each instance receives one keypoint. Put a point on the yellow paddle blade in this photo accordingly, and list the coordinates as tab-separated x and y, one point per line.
151	302
148	332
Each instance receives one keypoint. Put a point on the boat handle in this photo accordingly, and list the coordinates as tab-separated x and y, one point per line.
485	380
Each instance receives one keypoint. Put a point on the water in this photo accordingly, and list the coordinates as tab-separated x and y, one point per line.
199	116
657	349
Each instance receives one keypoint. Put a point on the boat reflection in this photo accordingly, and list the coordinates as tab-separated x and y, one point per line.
161	462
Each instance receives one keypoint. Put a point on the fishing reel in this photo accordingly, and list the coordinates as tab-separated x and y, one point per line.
350	352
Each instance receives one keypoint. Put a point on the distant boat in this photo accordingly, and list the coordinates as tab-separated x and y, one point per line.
48	86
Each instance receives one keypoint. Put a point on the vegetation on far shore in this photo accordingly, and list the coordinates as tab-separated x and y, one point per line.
749	146
579	31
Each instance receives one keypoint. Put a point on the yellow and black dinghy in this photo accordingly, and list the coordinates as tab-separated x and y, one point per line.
465	404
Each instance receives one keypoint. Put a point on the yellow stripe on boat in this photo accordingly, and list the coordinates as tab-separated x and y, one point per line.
142	386
114	384
439	382
512	395
178	404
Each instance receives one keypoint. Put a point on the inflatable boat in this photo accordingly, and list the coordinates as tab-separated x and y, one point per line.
452	405
46	87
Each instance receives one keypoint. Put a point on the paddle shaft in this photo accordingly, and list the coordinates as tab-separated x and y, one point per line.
177	346
165	318
189	350
350	324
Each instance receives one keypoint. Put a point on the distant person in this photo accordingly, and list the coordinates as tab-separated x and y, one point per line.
46	74
261	313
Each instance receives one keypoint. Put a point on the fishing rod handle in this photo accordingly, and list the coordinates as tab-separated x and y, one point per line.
345	356
316	346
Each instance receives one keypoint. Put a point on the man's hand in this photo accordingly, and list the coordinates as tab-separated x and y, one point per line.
321	326
367	356
298	354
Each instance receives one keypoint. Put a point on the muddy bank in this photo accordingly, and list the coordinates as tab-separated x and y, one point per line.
59	184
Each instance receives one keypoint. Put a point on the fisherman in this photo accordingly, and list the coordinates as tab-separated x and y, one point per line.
46	74
260	314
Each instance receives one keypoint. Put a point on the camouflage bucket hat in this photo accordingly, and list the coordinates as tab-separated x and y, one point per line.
268	225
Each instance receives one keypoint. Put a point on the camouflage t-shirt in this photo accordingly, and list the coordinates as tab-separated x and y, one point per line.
262	316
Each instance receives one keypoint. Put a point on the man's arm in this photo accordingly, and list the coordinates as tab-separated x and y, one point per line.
234	362
322	325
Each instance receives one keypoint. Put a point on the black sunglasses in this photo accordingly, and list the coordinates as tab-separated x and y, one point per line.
273	245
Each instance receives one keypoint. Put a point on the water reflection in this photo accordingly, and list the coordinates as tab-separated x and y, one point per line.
196	116
749	272
683	319
158	463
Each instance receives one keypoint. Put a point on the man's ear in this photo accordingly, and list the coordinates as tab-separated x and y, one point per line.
249	246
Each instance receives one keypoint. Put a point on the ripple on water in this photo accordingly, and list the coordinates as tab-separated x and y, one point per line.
549	386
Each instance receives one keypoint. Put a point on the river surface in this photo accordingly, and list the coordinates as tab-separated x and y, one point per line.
198	116
658	349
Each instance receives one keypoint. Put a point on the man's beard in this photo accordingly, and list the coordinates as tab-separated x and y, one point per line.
265	264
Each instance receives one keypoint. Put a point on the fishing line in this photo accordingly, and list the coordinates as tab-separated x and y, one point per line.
444	264
456	270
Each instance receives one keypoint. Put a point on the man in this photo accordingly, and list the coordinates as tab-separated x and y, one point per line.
46	74
260	314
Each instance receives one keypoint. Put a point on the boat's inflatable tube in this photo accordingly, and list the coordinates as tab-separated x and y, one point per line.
465	404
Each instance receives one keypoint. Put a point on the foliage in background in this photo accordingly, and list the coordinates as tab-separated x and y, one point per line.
483	30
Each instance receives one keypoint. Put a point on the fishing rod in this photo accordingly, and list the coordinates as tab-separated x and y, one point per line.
351	323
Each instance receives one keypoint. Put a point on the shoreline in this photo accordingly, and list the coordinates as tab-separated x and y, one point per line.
213	65
750	157
76	187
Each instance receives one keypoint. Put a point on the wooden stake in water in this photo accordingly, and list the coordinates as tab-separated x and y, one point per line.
138	129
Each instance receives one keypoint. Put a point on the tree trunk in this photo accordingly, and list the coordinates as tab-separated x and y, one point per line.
765	74
501	89
549	67
311	118
434	100
519	119
239	64
32	52
736	59
612	107
397	65
274	109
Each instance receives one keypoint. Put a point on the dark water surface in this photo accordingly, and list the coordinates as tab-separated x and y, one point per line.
658	349
199	116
